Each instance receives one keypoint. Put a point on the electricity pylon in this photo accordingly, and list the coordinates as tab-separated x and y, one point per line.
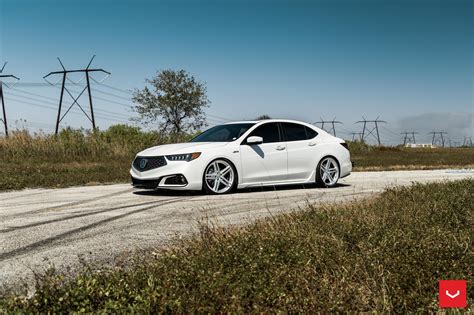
435	139
2	99
331	122
358	134
407	138
467	142
64	74
370	132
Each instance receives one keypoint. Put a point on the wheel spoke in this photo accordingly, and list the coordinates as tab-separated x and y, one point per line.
324	166
225	170
216	185
225	181
211	176
216	167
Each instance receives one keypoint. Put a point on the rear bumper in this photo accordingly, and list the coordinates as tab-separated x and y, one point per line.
346	168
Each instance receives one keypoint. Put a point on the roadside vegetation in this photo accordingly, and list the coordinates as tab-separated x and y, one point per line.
373	158
382	254
73	157
80	157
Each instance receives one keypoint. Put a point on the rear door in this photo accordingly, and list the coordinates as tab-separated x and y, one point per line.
266	162
301	146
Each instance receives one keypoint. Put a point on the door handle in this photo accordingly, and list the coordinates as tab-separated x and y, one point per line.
312	144
280	148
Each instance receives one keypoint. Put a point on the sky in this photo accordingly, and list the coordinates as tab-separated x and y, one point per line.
408	62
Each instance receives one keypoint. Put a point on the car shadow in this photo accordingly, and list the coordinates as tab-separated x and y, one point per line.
167	192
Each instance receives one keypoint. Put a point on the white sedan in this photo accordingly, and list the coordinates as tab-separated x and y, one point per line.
245	154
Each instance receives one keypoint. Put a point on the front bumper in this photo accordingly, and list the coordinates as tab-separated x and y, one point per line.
164	176
145	184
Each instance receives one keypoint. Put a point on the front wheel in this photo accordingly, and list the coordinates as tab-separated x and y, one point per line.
219	177
327	172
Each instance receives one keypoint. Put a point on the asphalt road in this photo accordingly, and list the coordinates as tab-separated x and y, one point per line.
61	227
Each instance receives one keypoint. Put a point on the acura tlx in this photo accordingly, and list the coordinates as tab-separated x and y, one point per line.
245	154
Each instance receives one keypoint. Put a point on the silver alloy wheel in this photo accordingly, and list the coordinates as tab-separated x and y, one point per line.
219	176
329	171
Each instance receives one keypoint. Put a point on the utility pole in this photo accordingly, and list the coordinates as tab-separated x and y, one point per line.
376	123
2	99
358	134
438	137
409	139
332	122
64	74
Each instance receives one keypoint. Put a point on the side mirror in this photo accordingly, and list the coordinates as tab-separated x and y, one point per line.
254	140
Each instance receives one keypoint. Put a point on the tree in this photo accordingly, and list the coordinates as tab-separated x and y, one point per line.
263	117
176	101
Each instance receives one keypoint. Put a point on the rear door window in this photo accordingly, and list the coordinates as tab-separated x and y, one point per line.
310	133
294	132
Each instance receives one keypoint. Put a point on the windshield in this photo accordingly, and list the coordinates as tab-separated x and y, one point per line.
223	133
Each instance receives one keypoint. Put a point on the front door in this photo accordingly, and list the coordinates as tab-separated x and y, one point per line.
266	162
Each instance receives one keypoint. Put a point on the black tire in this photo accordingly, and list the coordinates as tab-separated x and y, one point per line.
324	180
206	183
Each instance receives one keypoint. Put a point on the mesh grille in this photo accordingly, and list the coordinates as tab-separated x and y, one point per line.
146	163
146	184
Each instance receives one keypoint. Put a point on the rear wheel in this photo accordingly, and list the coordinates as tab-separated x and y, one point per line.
219	177
327	172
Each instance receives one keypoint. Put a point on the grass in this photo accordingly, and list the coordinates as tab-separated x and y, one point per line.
78	157
372	158
74	157
383	254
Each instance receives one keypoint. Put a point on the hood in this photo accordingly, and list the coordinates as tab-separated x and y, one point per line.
181	148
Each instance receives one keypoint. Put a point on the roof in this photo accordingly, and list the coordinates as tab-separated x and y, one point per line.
266	120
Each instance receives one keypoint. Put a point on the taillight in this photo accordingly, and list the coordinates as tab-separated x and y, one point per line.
345	145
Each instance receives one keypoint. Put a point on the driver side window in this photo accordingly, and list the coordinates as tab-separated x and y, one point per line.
269	132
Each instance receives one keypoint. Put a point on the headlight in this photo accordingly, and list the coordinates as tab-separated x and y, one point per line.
183	157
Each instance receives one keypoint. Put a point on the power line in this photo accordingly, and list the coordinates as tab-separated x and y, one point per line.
34	94
104	99
390	131
51	103
117	119
112	87
216	118
111	94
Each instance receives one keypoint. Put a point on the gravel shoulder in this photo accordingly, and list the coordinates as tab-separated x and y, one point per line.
40	228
